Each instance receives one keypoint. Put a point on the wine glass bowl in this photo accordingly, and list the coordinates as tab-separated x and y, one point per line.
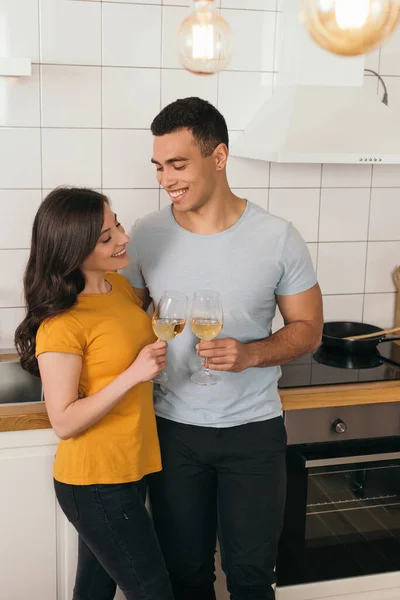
206	321
169	320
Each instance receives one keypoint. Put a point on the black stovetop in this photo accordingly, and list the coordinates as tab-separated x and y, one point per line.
330	368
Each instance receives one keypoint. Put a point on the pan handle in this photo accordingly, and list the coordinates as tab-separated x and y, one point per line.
389	339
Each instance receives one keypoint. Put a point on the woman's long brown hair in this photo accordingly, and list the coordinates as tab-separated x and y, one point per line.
65	232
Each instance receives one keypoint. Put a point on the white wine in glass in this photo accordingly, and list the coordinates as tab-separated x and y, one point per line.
168	321
206	321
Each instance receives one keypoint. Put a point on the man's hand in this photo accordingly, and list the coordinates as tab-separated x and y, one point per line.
226	354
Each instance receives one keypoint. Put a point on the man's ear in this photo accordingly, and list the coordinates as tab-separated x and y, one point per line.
220	155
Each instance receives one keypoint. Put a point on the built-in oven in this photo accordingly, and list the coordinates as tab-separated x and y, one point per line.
342	516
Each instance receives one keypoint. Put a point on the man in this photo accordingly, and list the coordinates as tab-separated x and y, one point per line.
223	447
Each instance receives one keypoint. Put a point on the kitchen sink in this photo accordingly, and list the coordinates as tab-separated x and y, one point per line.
16	385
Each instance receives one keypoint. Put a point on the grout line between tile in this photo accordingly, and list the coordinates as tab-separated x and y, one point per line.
40	101
368	242
101	102
319	218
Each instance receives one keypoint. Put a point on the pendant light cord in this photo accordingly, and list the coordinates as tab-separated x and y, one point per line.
385	98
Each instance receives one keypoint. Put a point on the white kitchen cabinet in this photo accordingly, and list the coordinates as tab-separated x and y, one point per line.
38	547
28	512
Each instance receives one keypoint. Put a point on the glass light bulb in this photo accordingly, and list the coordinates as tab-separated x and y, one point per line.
350	27
205	40
351	15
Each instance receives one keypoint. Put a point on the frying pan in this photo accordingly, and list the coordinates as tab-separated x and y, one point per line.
334	332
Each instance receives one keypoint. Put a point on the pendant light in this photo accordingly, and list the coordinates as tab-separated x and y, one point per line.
205	40
350	27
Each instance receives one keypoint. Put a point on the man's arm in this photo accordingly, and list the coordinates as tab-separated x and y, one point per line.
302	314
143	294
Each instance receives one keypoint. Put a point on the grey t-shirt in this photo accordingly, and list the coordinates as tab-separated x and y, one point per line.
249	263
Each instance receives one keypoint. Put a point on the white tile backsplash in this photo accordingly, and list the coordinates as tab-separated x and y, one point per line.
10	318
244	173
12	262
348	307
70	32
285	175
341	267
20	100
372	60
344	215
71	157
20	158
131	97
250	4
178	83
131	35
386	176
172	17
17	210
19	29
383	258
389	59
130	166
379	309
385	214
346	176
133	1
301	206
71	96
106	70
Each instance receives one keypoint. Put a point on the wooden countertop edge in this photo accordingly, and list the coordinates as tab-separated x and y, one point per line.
23	417
7	357
348	395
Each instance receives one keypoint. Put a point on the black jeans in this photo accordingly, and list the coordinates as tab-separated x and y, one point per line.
117	542
233	480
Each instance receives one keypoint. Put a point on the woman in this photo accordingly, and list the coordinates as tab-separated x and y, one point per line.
93	345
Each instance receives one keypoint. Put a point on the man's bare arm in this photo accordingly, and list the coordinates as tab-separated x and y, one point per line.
302	314
303	318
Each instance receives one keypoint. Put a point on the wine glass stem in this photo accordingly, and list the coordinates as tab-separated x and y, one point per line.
159	340
206	369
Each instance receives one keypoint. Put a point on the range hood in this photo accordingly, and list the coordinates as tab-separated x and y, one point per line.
321	111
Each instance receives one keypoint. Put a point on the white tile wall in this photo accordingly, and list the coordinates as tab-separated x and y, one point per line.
102	71
71	156
301	206
71	96
20	100
344	214
341	267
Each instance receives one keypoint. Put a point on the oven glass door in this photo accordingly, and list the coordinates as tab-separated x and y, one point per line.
342	514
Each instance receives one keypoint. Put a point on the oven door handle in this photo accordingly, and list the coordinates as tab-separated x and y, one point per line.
350	460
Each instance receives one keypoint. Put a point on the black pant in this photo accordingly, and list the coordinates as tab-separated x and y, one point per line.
232	479
117	542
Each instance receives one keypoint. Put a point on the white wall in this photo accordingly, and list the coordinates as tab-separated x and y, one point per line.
102	71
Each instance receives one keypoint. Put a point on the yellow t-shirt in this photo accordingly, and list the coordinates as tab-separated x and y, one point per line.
108	331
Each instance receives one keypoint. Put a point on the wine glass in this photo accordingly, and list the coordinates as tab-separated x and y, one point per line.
168	321
206	321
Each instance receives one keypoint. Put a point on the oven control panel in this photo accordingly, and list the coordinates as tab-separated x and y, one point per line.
331	424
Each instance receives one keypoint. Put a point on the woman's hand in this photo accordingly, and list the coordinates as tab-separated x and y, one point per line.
150	361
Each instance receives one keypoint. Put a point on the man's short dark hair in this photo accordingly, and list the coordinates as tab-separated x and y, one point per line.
206	123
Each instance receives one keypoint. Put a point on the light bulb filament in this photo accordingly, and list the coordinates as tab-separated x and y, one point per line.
352	14
203	42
